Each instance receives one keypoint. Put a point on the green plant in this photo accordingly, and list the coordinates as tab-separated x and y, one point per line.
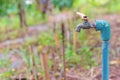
62	3
45	39
34	17
69	53
4	63
71	57
32	60
7	23
5	67
98	2
6	75
6	7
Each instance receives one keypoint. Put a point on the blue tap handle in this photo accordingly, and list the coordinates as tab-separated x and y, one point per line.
104	28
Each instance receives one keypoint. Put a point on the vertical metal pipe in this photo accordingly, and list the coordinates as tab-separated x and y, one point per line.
105	60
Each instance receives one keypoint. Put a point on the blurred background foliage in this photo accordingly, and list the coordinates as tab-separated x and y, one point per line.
62	3
9	9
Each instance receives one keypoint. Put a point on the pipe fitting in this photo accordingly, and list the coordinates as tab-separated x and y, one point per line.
104	27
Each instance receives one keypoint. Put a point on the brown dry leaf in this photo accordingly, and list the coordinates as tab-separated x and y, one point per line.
67	69
56	39
40	47
57	74
114	62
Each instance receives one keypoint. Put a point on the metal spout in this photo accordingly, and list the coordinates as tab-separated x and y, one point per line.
84	25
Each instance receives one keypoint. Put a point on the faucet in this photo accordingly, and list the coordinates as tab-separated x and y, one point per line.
85	24
104	27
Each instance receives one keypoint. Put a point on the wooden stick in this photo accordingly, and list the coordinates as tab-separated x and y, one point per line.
68	31
44	62
55	35
63	50
55	47
33	66
74	40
